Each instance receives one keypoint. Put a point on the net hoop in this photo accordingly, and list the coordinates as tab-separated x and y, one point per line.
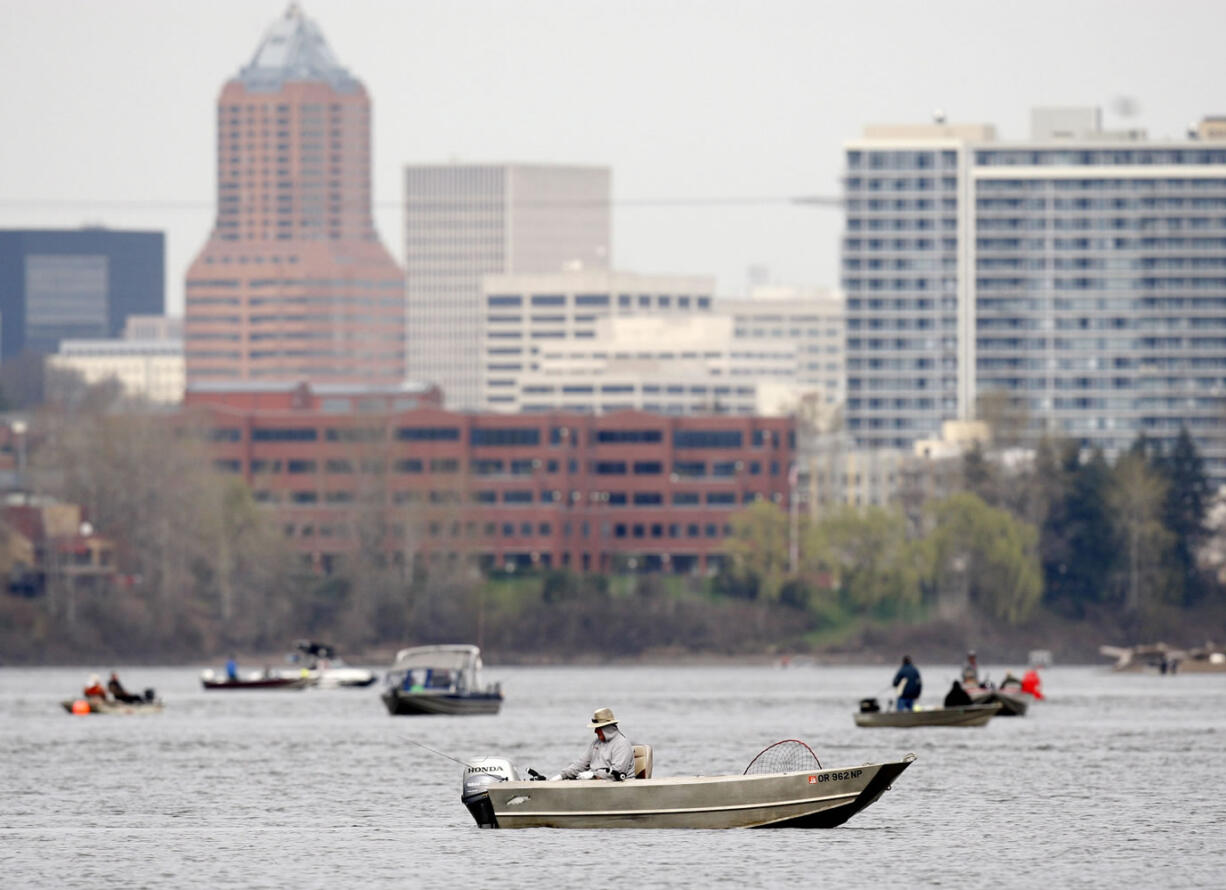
786	756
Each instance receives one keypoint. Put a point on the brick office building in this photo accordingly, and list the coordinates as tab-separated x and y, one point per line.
629	490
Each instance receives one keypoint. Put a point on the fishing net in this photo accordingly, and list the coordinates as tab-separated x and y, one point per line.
788	756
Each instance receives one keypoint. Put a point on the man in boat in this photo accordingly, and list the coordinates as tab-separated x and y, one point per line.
970	670
957	697
909	677
95	688
121	694
610	756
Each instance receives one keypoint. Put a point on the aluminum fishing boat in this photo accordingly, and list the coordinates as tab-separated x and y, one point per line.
498	796
965	715
96	705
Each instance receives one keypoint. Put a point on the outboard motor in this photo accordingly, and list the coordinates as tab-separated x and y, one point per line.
479	774
869	706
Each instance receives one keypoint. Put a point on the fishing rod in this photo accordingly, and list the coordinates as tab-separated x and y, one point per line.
531	772
433	750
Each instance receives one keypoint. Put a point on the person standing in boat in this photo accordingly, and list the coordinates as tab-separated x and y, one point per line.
610	756
970	670
908	677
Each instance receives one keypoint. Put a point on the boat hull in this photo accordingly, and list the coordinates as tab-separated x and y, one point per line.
264	683
811	799
402	703
97	706
967	715
1012	704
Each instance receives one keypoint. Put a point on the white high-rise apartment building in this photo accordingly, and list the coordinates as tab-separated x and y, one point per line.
465	221
1082	272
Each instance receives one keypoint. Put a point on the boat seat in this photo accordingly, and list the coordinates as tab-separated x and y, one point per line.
642	761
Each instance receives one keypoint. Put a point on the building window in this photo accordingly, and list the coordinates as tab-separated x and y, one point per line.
428	434
510	436
285	434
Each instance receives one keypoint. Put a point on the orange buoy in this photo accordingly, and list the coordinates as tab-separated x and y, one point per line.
80	706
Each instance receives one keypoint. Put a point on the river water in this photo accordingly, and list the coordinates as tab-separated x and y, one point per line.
1113	780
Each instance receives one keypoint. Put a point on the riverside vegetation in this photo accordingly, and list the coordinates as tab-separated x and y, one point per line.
1068	540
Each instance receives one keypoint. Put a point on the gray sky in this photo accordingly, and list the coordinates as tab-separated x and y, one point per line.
108	106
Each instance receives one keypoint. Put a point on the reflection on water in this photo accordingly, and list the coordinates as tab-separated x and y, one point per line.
1112	780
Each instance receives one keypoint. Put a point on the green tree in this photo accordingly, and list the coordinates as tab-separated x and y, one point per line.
1137	499
993	554
874	565
1187	499
1078	538
757	551
979	476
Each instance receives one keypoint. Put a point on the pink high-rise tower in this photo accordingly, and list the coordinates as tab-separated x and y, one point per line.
293	283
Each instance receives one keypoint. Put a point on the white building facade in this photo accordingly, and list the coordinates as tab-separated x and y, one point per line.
675	365
526	314
811	318
465	221
153	370
1082	272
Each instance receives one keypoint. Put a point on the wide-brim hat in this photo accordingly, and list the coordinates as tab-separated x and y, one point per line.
602	717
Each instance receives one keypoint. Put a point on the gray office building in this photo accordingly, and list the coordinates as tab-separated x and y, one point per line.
1082	272
74	284
464	221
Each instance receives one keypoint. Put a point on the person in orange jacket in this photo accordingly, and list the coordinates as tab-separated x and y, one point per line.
1030	683
95	689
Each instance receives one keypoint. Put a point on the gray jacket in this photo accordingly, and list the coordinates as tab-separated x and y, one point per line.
602	758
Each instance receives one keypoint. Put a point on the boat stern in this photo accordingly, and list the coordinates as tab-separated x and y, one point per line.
479	774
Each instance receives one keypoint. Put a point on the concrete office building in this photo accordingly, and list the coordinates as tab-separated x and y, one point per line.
148	369
1082	272
465	221
810	317
678	365
522	313
58	284
293	283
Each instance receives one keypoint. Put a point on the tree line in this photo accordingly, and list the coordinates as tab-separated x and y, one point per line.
202	569
1065	531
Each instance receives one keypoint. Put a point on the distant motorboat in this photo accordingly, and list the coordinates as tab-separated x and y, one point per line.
443	679
1164	659
1013	702
319	663
252	680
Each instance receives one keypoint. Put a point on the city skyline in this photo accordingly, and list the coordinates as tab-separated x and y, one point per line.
687	101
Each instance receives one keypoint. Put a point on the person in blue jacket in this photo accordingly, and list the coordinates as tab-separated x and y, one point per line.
908	675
